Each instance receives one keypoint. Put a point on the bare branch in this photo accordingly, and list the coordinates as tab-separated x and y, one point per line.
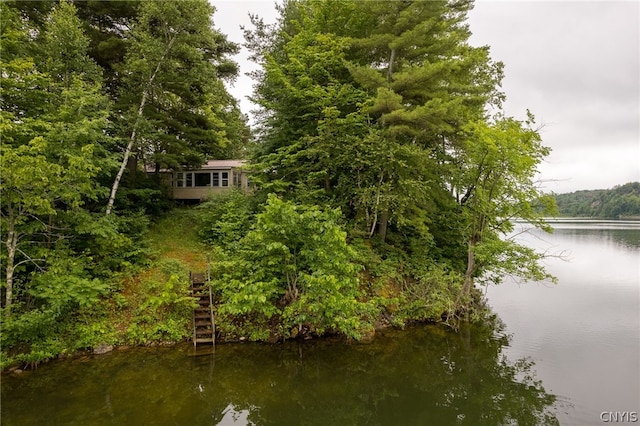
33	261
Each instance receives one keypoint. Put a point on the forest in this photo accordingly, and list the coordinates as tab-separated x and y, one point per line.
385	174
619	202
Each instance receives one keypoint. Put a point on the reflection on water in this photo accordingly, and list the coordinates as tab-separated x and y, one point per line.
584	332
424	375
231	416
626	238
624	233
583	336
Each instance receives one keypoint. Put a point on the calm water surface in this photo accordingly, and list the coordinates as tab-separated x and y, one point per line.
421	376
583	334
564	354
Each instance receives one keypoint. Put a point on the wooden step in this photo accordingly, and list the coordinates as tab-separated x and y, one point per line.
198	276
203	320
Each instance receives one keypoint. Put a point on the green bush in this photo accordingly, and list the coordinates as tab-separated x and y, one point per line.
165	313
225	218
33	336
293	270
430	293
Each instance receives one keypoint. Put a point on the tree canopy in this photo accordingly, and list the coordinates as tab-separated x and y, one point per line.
385	174
385	110
73	78
618	202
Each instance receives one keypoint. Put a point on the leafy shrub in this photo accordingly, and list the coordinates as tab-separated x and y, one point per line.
33	336
109	243
165	313
225	218
67	283
430	293
296	268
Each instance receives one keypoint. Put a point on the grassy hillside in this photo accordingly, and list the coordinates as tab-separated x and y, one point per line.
147	303
152	303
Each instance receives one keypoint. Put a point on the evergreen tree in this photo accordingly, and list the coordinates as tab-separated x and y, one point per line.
171	88
364	100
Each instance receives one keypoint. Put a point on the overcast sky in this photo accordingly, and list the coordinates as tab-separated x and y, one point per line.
574	64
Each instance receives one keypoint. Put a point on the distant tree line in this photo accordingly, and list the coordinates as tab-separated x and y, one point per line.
618	202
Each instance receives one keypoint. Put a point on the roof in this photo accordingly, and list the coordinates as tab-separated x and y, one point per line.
209	165
223	164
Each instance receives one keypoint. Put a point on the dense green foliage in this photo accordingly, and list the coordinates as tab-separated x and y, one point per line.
65	123
380	109
384	187
293	264
615	203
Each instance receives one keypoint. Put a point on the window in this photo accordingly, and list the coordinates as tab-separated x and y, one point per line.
203	179
184	180
207	179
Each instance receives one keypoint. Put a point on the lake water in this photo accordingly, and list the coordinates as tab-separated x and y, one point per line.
583	334
561	355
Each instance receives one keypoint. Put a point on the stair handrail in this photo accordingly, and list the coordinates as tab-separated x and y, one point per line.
213	318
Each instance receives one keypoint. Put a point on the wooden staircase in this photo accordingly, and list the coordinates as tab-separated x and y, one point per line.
204	326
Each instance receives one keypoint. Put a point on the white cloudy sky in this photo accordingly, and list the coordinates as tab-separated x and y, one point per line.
574	64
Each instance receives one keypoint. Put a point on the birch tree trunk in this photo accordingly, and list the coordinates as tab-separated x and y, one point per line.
12	242
143	101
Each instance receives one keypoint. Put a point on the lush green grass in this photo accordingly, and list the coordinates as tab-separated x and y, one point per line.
149	303
153	304
176	237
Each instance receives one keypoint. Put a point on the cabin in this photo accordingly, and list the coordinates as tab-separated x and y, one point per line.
213	177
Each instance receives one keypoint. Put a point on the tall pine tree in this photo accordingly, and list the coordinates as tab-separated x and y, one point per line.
172	95
363	101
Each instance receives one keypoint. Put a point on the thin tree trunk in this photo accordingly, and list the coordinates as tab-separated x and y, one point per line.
392	58
12	242
374	222
132	166
468	281
467	284
127	152
471	270
143	101
382	226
